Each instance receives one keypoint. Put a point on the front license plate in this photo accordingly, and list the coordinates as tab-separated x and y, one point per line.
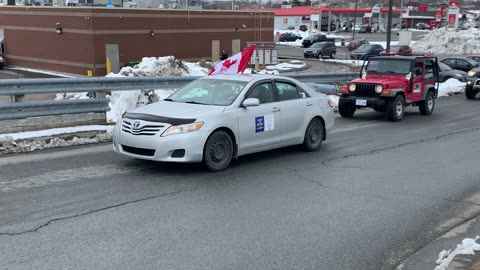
361	102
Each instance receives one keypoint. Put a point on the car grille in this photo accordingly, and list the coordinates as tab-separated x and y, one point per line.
365	90
138	151
147	130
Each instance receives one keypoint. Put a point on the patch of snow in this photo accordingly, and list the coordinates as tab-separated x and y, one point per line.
459	229
43	72
451	87
440	41
303	35
8	143
62	96
400	266
467	247
54	131
287	66
357	63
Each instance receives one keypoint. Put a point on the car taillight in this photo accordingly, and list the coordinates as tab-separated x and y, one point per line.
331	104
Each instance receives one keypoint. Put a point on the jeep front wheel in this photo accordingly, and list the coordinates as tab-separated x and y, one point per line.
395	109
469	93
426	107
346	109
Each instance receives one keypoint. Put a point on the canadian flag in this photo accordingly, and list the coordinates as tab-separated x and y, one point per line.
235	64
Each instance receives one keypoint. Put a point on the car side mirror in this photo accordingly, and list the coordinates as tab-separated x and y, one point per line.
251	102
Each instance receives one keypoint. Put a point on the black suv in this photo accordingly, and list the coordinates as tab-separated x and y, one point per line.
321	49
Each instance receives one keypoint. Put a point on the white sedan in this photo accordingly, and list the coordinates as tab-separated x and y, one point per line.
217	118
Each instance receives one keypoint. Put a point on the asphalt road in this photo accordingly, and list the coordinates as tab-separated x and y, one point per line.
376	192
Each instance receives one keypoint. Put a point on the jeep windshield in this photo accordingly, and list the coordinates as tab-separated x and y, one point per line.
388	66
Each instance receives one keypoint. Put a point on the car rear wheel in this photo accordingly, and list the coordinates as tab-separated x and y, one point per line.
218	151
319	55
313	135
469	93
426	107
346	109
396	109
332	55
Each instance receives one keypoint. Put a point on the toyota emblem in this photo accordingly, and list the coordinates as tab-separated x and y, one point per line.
136	124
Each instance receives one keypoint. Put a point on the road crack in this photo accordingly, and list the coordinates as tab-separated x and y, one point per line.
95	211
378	150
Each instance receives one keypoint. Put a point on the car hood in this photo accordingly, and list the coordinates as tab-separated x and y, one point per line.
390	81
179	109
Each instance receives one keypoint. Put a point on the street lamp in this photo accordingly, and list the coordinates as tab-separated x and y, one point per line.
354	19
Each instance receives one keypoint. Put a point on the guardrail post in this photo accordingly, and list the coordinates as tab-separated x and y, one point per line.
16	98
100	95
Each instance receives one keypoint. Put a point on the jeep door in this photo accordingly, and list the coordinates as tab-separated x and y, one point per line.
415	92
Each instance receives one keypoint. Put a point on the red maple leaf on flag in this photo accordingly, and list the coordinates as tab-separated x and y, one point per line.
228	63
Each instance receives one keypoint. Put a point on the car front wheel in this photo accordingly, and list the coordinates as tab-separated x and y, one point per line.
313	135
218	151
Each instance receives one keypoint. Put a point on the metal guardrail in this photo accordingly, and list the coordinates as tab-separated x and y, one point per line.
18	88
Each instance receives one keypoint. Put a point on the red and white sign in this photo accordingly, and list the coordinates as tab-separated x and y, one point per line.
235	64
285	21
451	20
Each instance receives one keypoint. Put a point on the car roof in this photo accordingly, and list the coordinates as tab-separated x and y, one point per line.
413	57
244	77
457	57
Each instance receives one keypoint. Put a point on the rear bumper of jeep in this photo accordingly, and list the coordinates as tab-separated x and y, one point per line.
371	101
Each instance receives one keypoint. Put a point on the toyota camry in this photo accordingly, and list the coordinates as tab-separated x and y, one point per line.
216	118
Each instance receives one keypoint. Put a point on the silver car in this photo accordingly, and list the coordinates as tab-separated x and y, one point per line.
217	118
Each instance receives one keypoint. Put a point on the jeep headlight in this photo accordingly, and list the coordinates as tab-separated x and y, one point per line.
379	89
352	87
471	73
182	129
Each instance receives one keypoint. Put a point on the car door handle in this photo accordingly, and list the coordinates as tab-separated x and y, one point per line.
276	109
309	103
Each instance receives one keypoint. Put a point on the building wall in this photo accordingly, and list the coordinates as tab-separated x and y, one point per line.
31	39
283	22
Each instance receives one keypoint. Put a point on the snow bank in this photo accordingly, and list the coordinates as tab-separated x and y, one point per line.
54	131
451	87
295	64
440	41
303	35
357	63
121	101
467	247
8	144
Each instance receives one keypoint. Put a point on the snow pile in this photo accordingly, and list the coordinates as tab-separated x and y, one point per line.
440	41
356	63
9	145
294	64
303	35
72	96
451	87
467	247
121	101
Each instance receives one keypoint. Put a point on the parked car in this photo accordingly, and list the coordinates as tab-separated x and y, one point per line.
473	83
446	73
388	84
333	27
291	27
354	44
288	37
398	50
366	51
321	49
309	41
460	63
303	28
475	58
365	29
422	26
218	118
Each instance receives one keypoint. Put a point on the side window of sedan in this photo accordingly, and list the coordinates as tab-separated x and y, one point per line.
287	91
263	92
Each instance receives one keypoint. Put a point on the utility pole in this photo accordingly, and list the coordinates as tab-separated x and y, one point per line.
319	26
389	24
329	15
354	19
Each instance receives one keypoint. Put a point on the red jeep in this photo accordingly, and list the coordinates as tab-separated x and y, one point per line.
389	83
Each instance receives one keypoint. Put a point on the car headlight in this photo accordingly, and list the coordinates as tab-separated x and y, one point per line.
379	88
471	73
182	129
352	87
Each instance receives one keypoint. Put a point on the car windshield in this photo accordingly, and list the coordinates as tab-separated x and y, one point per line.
364	48
444	67
312	37
209	92
318	45
388	66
